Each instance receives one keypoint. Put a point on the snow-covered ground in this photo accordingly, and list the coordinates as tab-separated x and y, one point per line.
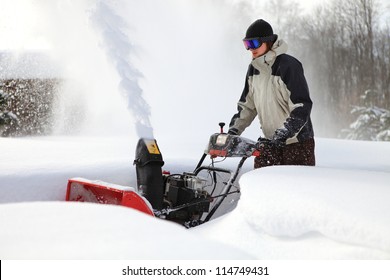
336	210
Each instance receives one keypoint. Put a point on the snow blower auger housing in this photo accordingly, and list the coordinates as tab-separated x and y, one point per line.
190	198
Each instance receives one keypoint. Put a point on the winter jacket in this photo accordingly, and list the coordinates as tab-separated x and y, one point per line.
277	93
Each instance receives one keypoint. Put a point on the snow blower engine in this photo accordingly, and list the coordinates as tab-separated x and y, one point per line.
190	198
176	197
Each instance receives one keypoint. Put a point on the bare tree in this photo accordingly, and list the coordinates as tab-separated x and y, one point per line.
282	12
347	51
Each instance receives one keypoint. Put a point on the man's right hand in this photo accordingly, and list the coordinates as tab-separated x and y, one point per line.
263	143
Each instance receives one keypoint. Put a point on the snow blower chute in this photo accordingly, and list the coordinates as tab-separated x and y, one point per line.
190	198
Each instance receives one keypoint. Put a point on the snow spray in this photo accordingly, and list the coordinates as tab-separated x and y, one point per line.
118	49
99	93
107	79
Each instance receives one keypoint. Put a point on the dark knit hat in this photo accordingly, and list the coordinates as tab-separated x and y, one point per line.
261	28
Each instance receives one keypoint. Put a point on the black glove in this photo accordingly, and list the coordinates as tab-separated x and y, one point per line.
280	137
263	143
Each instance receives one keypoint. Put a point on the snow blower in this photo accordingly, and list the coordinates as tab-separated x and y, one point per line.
190	198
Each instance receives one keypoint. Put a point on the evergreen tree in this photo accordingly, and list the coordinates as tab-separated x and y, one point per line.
372	123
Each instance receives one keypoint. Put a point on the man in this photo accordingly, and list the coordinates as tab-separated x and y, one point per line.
277	93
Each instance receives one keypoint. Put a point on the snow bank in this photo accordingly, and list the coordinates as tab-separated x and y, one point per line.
38	168
294	201
59	230
344	214
336	210
347	154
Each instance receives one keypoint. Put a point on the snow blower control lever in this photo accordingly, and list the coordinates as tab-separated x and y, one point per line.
221	125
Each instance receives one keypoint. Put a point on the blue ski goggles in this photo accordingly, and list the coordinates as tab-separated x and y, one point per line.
252	43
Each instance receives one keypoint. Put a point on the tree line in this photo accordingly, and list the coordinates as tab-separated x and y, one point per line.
344	46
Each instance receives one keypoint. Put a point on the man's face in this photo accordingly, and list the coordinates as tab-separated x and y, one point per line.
259	51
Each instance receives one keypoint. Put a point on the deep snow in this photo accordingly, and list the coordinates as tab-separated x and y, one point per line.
336	210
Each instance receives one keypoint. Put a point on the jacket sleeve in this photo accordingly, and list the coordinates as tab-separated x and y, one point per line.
246	110
299	101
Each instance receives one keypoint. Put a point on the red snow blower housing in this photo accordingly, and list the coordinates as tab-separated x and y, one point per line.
188	198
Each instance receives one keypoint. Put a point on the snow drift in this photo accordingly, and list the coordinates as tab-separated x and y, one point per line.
336	210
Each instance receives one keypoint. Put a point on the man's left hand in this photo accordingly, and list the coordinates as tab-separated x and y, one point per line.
279	138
